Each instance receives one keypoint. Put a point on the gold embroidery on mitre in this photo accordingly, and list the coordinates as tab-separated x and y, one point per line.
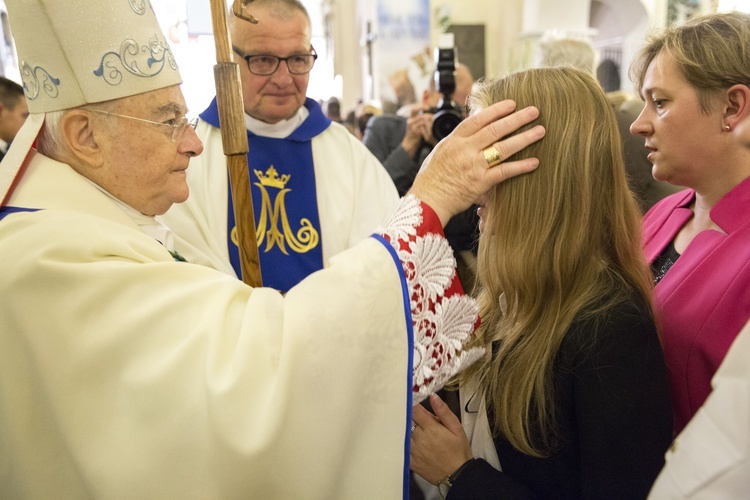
273	223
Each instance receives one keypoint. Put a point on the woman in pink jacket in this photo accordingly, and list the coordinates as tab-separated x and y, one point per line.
693	79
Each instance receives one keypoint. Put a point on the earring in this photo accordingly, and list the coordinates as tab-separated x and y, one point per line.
726	127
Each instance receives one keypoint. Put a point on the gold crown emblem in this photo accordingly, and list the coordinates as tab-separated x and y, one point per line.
271	178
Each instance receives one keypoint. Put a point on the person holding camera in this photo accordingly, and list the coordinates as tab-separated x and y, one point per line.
401	144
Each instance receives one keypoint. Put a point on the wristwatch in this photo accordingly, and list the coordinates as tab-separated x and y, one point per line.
445	484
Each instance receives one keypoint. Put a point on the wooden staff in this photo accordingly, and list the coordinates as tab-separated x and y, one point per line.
234	138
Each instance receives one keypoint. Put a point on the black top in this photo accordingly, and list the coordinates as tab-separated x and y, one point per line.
613	413
664	262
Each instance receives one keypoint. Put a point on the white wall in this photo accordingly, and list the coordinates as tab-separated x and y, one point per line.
502	20
347	52
622	23
571	16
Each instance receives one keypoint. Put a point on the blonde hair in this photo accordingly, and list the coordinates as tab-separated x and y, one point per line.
711	51
559	244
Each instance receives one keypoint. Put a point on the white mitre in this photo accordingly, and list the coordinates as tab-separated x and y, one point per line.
76	52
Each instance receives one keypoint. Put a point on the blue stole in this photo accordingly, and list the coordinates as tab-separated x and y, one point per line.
285	203
6	210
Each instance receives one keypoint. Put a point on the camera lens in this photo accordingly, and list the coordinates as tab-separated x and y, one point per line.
446	120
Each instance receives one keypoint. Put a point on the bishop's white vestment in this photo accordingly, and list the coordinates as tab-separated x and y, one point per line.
127	374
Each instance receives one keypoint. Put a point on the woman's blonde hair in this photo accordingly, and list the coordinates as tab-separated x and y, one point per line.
559	244
712	52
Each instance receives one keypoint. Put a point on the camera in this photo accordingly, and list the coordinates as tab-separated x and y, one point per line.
447	114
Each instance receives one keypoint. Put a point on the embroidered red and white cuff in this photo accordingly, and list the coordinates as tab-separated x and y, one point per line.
443	317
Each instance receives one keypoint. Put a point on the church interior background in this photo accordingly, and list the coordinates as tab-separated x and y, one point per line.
366	46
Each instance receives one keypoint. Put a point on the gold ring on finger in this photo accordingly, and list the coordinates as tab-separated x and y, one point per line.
491	156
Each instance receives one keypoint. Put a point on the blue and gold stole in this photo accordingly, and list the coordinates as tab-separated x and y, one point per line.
287	222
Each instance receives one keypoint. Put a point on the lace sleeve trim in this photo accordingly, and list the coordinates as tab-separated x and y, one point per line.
443	317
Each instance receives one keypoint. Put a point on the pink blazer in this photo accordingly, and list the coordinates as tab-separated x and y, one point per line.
703	302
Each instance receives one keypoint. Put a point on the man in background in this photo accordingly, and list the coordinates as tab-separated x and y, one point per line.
13	112
333	110
316	189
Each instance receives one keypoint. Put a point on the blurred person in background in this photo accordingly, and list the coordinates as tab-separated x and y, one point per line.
13	112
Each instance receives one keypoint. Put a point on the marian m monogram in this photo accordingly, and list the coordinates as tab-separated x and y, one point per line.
273	226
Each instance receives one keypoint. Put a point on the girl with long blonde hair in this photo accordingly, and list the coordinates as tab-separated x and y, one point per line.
574	383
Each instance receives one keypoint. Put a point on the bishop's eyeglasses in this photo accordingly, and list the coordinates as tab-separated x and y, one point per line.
267	64
176	125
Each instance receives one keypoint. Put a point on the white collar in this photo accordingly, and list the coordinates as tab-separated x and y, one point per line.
280	130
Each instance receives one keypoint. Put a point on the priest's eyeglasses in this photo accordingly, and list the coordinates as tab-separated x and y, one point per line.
267	64
177	125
